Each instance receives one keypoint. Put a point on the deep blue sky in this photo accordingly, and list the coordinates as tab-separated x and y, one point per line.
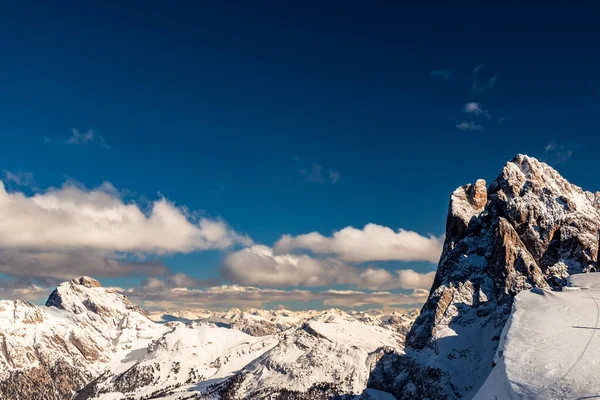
218	105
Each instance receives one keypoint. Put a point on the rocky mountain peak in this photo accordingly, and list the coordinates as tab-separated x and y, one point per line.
86	295
530	228
86	281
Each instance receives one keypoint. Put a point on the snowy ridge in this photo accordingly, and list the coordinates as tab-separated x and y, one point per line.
258	322
91	342
332	352
550	347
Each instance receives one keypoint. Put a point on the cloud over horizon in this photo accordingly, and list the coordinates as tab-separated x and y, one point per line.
372	243
260	266
13	289
59	233
226	296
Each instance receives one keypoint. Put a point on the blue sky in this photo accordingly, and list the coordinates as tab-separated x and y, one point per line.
248	113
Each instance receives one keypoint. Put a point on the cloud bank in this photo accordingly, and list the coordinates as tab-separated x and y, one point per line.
226	296
259	266
372	243
72	217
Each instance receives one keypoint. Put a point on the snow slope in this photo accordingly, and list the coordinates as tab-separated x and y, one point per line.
331	352
550	347
334	351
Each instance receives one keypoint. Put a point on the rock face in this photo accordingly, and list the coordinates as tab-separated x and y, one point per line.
530	228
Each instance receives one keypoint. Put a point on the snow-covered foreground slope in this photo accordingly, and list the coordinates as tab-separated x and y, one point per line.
91	342
550	347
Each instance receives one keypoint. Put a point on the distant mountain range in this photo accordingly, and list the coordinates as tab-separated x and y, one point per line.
92	341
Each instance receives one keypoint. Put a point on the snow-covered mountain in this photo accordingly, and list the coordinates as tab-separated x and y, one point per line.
92	340
530	229
47	352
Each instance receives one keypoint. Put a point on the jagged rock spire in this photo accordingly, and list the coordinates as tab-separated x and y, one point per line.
530	228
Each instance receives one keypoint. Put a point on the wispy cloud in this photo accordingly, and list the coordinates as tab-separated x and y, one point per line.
556	153
20	178
475	108
444	73
317	174
482	85
78	138
334	176
469	126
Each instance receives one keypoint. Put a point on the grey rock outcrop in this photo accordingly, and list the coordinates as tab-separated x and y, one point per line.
530	228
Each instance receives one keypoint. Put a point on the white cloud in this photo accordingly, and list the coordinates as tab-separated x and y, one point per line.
72	217
476	109
259	266
445	73
469	126
77	138
372	243
473	108
227	296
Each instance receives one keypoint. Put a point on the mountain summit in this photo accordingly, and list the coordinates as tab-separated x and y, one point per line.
529	228
85	294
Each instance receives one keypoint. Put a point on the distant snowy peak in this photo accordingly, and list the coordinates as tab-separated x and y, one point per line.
85	294
258	322
49	352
